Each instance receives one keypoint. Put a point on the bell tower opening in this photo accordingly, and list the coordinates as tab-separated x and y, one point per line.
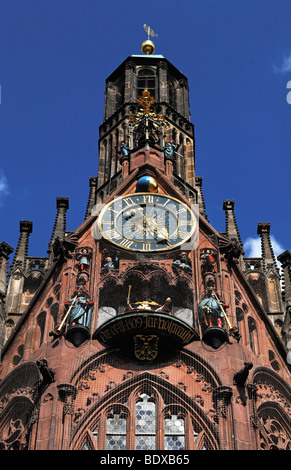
146	80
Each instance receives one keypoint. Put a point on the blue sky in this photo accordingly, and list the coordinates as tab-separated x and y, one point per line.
54	58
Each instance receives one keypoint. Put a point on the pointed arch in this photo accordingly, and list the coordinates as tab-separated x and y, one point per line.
167	402
18	397
273	399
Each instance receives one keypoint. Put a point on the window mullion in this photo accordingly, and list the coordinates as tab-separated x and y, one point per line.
160	428
189	433
130	435
101	437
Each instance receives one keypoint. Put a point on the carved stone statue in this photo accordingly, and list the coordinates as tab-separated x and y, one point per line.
208	262
124	149
81	311
170	148
182	262
84	259
109	263
211	309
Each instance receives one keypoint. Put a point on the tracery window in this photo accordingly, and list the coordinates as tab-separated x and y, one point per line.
134	424
273	435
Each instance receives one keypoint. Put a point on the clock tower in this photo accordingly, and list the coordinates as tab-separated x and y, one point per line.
148	329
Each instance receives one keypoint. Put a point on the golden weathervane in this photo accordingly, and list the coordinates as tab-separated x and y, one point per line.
148	46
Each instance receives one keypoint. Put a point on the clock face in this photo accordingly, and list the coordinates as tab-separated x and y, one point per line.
147	222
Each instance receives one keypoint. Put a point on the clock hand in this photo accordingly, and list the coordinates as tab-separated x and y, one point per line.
159	234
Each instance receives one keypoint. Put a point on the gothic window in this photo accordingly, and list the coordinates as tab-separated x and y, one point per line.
54	311
49	302
14	432
57	289
116	431
41	324
146	80
17	358
145	423
174	432
238	297
274	435
273	361
240	321
253	335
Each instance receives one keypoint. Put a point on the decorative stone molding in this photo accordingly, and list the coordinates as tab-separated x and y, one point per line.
67	395
221	399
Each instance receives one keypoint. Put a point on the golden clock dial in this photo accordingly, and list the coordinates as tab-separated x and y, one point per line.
147	222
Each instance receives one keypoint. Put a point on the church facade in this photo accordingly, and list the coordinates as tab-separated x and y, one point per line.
145	328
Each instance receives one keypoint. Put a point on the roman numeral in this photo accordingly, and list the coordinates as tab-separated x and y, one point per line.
111	233
181	211
148	199
146	247
126	243
128	201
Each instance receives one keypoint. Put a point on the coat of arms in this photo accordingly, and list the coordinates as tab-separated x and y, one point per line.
146	347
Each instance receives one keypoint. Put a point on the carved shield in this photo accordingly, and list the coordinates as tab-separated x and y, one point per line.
146	347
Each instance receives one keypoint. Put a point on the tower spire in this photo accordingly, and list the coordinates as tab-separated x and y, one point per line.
268	256
21	251
5	251
231	225
60	221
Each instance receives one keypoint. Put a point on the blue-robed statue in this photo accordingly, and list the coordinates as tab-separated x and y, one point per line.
182	262
211	308
81	311
124	149
109	263
169	149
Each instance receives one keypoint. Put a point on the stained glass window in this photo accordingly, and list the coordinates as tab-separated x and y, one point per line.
174	433
116	432
145	424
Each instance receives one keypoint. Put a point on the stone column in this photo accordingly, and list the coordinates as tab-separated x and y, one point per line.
67	395
222	400
252	395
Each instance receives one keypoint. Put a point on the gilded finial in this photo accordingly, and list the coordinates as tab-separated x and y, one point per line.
148	46
145	103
